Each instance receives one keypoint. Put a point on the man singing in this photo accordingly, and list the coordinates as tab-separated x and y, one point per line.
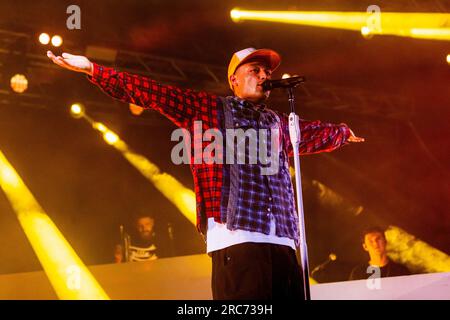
249	218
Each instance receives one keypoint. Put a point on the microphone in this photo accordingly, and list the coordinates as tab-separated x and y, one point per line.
331	257
291	82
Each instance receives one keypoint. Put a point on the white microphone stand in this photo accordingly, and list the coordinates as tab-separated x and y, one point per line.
295	135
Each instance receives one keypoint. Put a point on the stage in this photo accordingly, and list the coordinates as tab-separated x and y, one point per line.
189	278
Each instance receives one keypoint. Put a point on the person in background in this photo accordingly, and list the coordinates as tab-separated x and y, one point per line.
143	242
374	243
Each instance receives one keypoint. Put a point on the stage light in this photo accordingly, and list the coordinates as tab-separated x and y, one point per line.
8	176
66	272
332	199
402	247
100	127
183	198
285	76
77	110
235	15
19	83
110	137
135	109
57	41
448	58
417	255
366	33
431	33
44	38
415	25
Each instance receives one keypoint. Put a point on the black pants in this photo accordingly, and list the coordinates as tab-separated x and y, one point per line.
256	271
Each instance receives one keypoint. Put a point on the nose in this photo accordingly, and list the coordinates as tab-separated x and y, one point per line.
263	75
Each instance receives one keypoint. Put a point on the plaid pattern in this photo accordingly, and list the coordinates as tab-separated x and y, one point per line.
262	197
256	193
182	107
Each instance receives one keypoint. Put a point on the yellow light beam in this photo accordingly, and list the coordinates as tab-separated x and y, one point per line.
402	247
68	275
183	198
417	255
416	25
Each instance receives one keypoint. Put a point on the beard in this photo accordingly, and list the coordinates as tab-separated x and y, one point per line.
146	235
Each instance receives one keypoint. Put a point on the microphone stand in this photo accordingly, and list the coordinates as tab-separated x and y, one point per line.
125	239
320	266
295	135
331	257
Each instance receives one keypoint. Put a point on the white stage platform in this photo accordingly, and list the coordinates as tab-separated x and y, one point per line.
189	278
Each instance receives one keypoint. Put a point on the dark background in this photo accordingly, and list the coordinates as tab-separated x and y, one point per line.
393	91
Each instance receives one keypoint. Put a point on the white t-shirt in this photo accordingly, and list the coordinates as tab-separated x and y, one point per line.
219	237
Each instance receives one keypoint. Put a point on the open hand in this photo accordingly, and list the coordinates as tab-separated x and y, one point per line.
72	62
354	138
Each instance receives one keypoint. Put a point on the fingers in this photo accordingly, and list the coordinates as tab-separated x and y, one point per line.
63	62
356	139
64	55
50	55
351	133
58	60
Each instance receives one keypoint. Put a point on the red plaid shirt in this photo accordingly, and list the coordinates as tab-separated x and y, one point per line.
184	106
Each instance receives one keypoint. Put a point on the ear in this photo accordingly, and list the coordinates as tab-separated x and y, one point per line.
365	247
233	80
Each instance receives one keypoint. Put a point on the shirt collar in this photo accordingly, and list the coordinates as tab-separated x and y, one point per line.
242	103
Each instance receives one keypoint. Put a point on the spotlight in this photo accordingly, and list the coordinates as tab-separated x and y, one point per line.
110	137
135	109
403	24
285	76
53	251
366	33
100	127
448	58
235	15
19	83
77	110
57	41
417	255
44	38
183	198
8	175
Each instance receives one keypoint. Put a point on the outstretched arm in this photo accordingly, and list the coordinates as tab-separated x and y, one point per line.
179	105
317	136
354	138
72	62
